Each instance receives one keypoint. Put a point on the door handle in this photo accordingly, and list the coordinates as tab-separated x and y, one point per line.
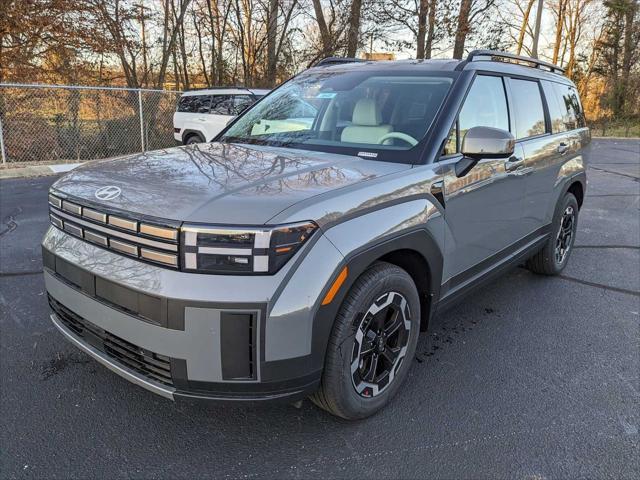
513	163
563	148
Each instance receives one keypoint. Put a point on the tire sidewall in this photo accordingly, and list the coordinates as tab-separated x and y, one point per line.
568	200
395	280
194	139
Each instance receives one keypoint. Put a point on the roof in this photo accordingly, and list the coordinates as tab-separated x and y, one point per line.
226	91
480	60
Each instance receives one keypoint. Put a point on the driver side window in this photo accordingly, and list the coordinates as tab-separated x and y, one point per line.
485	106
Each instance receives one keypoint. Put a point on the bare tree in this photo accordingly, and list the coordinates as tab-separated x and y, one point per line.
422	28
559	10
525	24
469	14
325	34
272	39
354	28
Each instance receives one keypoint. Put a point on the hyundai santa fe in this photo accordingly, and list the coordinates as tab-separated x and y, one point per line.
302	252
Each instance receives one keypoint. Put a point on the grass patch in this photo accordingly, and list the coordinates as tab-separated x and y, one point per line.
619	128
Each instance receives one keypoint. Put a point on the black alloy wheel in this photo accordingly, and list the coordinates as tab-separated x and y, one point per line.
380	344
564	237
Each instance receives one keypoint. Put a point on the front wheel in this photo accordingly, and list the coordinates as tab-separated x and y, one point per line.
372	343
194	139
553	257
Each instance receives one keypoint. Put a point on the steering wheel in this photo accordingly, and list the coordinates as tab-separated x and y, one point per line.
400	136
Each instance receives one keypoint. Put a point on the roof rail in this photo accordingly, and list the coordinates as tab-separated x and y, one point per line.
496	56
337	60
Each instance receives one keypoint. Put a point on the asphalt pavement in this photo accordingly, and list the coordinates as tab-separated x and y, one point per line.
531	377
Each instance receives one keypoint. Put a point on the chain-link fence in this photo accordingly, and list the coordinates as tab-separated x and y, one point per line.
41	123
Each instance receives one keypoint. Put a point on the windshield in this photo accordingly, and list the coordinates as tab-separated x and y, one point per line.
372	114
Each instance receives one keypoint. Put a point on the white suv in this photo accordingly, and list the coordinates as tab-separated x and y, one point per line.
202	114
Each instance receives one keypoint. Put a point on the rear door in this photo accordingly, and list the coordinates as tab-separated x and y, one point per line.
221	112
532	132
483	209
545	156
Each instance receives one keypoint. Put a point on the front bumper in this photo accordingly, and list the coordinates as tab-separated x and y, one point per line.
187	336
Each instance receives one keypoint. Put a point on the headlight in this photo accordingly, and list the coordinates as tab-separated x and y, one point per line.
231	250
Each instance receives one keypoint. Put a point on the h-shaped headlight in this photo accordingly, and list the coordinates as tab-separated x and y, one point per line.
240	250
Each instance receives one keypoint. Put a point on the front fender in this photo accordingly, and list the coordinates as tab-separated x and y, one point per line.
413	225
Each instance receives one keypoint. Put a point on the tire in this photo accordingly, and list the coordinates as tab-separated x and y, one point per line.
382	286
195	138
550	261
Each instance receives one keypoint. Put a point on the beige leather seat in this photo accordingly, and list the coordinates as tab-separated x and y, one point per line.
366	126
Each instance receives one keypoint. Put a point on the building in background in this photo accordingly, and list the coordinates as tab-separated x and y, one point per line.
379	56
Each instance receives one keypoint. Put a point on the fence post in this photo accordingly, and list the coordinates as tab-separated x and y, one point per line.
141	119
2	151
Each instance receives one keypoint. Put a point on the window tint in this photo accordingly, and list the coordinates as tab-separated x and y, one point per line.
555	112
529	113
241	103
194	104
222	105
572	114
485	105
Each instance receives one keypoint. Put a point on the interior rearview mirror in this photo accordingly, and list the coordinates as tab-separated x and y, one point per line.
484	142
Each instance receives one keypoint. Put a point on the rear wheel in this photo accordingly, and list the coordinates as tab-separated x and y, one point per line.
372	343
554	256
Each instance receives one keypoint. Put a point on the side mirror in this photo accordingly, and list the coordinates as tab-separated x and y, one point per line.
484	142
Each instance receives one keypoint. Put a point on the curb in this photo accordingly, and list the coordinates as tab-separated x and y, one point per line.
37	170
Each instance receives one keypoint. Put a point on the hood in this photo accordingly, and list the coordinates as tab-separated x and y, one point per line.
218	183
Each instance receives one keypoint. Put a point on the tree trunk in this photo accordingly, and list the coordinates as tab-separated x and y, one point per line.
354	28
525	24
562	5
325	35
272	38
422	28
145	66
203	63
627	51
463	28
169	40
572	37
433	4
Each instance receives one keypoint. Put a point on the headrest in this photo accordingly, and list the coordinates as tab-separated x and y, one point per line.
367	113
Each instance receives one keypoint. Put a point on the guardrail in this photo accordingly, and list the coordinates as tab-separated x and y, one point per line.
45	123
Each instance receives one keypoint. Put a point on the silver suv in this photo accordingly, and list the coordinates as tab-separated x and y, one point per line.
301	253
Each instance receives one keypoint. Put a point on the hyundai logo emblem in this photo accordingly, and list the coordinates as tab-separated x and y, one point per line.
108	193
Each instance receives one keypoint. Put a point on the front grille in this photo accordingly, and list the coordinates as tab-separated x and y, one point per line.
146	241
151	365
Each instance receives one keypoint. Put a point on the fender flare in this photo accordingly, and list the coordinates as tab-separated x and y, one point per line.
191	131
563	187
419	240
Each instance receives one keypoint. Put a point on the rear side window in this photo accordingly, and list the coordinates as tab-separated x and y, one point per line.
241	103
485	106
194	104
222	105
528	110
572	114
555	112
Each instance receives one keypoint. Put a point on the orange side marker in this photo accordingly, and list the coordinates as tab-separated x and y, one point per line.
336	286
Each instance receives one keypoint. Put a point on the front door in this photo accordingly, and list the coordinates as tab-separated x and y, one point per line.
484	208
